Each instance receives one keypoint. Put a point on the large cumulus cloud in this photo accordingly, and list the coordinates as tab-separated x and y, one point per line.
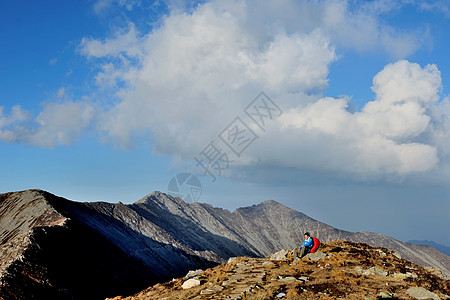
388	136
184	81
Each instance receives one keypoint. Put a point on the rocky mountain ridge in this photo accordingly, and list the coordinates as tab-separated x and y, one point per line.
339	270
50	245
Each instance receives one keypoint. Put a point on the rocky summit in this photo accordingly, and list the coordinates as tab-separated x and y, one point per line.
339	270
54	248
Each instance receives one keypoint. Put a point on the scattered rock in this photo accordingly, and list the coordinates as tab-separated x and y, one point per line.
261	278
381	253
404	276
421	293
316	256
268	264
375	271
438	272
411	275
330	255
384	295
231	259
190	283
280	255
211	290
303	278
289	279
249	289
193	273
400	275
396	254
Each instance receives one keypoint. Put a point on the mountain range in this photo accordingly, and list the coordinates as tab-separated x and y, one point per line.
438	247
61	249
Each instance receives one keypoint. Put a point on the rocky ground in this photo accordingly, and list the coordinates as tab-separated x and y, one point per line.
338	270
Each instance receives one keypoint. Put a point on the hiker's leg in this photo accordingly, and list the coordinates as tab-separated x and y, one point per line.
303	252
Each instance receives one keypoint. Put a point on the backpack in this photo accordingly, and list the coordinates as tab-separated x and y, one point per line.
315	246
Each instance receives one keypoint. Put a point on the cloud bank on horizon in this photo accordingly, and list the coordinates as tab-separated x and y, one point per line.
187	78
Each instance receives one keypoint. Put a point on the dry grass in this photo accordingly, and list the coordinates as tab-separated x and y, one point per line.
330	278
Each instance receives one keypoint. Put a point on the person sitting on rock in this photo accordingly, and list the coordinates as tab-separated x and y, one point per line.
305	247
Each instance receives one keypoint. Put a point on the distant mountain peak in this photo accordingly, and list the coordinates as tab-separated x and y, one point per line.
270	203
154	196
158	194
163	201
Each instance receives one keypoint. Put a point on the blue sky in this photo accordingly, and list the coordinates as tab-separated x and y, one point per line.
109	99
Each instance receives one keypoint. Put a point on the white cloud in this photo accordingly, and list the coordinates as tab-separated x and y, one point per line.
57	124
404	92
379	7
124	43
384	137
184	81
61	124
198	71
102	6
199	68
349	25
8	131
436	6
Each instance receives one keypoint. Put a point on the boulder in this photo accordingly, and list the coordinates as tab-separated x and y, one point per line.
280	255
193	273
190	283
289	279
384	295
268	264
303	278
231	259
396	254
411	275
316	255
421	293
375	271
